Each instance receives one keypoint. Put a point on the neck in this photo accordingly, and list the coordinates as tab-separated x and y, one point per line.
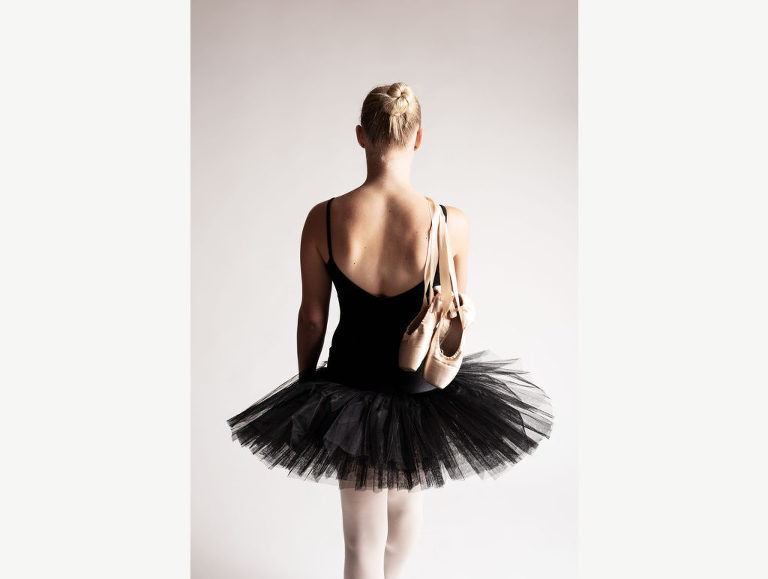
390	169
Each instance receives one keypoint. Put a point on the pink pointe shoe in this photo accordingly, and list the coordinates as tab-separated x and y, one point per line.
418	335
446	350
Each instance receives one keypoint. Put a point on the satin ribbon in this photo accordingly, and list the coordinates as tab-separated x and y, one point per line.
430	265
467	308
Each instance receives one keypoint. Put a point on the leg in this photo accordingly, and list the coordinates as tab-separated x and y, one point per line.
364	517
405	516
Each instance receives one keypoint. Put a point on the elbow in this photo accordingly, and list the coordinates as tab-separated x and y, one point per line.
312	320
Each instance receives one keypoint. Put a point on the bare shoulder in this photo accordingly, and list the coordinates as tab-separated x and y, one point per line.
457	221
457	216
316	214
314	220
313	231
458	228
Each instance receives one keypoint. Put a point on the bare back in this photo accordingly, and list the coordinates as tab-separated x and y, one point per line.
379	244
380	240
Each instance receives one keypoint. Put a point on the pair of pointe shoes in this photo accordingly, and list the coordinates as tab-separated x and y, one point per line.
438	336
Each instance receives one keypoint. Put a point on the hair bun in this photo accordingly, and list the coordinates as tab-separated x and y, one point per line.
401	99
390	114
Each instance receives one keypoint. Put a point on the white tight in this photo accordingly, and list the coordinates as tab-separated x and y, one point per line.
380	531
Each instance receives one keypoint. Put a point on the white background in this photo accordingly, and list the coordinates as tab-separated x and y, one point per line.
276	95
95	313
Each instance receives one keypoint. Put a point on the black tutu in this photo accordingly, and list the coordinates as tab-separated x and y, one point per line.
486	419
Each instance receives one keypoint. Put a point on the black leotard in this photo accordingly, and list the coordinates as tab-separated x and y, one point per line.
360	422
366	342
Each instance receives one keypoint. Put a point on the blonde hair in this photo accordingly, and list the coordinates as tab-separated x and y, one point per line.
390	115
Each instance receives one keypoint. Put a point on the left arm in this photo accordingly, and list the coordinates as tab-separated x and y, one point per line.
459	237
315	294
458	234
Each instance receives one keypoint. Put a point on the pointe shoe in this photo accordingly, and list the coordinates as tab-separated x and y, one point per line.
467	307
446	350
418	335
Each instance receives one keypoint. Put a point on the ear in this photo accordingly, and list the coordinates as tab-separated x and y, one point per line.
360	135
419	134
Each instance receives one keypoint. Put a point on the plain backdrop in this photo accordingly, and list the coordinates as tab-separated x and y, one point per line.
276	95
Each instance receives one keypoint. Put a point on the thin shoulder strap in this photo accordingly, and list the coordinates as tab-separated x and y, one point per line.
328	227
436	279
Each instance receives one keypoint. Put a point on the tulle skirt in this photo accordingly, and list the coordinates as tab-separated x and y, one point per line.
354	436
